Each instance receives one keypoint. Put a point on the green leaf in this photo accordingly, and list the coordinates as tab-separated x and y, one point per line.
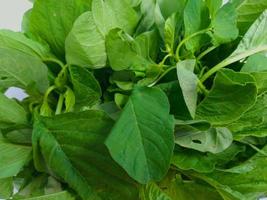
214	140
72	147
52	20
214	6
253	122
251	183
187	159
188	82
248	11
254	41
145	132
172	28
114	14
12	158
190	190
255	63
196	18
124	52
224	25
11	113
86	88
18	41
232	94
168	7
85	45
6	188
21	70
152	192
56	196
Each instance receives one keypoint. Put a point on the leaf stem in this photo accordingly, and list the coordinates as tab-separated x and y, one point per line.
54	60
60	104
202	87
187	39
161	76
207	51
230	60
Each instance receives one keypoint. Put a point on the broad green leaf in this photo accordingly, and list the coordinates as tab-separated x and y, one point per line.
232	94
148	47
214	6
21	70
145	132
56	196
188	83
251	184
253	122
190	190
248	11
187	159
224	25
124	52
196	18
85	45
52	20
19	42
256	63
214	140
254	41
11	113
168	7
152	191
86	88
6	188
114	14
72	146
13	157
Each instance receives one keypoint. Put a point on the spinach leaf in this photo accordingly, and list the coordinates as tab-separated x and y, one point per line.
145	130
233	93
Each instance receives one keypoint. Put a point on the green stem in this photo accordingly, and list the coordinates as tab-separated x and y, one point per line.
164	59
203	88
48	91
60	104
187	39
54	60
207	51
161	76
230	60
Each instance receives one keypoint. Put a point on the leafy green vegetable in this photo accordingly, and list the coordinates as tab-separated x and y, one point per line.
135	99
146	150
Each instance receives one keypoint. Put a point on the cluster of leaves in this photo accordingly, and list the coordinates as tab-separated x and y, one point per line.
135	99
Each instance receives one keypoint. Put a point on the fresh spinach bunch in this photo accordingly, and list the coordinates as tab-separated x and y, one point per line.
135	99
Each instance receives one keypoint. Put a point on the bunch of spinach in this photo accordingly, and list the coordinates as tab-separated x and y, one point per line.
135	99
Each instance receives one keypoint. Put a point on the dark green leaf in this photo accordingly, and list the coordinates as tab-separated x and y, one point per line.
233	93
86	88
196	18
145	132
52	20
72	146
224	25
13	157
22	70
